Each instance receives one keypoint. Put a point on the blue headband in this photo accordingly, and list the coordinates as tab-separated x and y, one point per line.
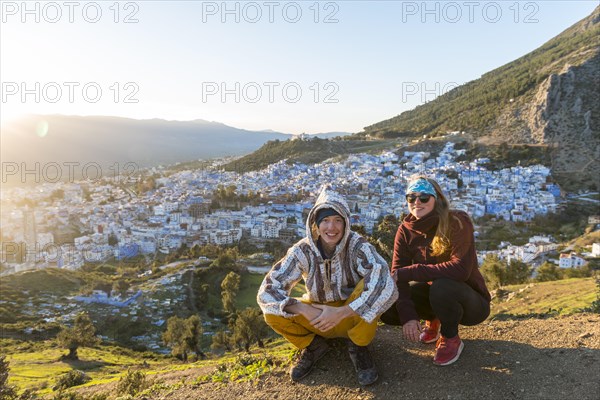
421	185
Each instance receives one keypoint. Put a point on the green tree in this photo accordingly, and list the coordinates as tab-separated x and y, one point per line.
183	336
384	235
7	392
226	257
250	327
548	272
120	286
175	336
595	306
493	270
112	240
360	229
82	334
210	250
195	251
193	334
221	341
577	272
229	289
203	294
517	272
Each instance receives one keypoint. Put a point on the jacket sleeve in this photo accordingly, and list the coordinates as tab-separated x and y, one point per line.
401	259
274	292
459	264
379	292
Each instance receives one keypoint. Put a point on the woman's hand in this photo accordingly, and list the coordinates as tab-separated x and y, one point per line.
412	330
330	316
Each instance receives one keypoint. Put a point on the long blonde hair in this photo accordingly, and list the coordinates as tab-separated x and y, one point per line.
441	241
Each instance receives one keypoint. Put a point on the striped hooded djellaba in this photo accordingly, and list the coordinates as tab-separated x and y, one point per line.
331	279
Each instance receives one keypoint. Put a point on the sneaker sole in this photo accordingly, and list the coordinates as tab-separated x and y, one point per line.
431	340
460	349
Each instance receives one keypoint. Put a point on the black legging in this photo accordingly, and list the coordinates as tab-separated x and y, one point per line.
451	301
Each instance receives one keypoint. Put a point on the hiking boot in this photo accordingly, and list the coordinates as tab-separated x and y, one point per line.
363	363
308	358
431	331
447	350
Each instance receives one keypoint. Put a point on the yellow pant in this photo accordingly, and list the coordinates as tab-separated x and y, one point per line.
299	332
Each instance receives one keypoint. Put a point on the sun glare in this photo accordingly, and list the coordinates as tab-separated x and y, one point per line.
9	114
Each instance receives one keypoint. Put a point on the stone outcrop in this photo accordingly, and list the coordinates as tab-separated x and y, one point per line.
565	113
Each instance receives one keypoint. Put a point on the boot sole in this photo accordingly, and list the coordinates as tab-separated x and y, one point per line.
311	368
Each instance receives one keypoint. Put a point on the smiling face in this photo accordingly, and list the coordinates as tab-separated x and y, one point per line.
419	209
331	230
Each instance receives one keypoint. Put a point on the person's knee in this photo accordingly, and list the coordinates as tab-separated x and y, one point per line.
275	320
442	289
363	335
362	341
390	316
443	285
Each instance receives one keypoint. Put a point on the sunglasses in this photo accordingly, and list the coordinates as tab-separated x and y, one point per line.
423	198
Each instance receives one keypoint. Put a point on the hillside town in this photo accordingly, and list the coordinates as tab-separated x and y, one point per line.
98	221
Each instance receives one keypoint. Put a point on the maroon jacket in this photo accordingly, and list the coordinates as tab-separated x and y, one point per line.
413	261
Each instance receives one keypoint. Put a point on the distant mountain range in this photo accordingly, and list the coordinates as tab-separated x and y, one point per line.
548	98
109	140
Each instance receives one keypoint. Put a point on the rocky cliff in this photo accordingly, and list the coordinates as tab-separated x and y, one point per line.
549	97
564	113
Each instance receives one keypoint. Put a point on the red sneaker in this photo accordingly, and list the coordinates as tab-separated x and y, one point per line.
431	331
447	350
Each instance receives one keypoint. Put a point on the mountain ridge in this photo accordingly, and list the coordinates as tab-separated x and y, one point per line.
106	140
497	87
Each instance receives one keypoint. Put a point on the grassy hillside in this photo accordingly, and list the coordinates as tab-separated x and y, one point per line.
37	364
304	151
54	280
564	297
476	106
24	291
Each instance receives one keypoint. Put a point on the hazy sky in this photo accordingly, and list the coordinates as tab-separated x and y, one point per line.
303	66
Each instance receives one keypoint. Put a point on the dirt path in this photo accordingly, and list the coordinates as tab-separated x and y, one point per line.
556	358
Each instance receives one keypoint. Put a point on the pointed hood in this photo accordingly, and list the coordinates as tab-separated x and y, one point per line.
328	198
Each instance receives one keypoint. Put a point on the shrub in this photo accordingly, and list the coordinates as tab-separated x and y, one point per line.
76	396
595	306
548	272
70	379
132	383
6	391
221	341
245	368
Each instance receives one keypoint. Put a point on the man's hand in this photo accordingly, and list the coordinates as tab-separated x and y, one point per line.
330	316
412	330
306	310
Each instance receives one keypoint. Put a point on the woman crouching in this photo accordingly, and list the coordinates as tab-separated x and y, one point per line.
435	266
